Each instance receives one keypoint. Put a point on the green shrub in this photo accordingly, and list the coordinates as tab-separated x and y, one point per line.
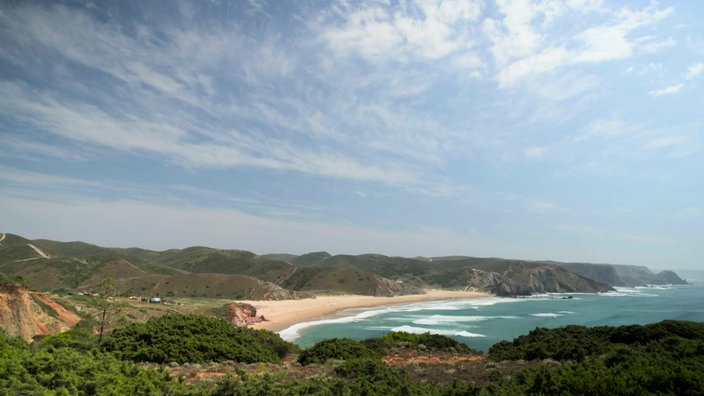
579	342
75	338
659	358
338	349
61	366
433	342
380	345
194	339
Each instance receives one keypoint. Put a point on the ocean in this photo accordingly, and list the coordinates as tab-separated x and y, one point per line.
480	323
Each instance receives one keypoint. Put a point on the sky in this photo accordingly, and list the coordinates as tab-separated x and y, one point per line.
569	130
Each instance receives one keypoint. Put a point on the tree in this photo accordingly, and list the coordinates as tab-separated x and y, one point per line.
108	309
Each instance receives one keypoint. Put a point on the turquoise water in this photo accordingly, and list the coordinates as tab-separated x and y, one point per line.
481	323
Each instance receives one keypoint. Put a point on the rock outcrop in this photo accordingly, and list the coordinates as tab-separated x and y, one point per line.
243	314
623	275
524	279
667	278
389	288
271	291
24	314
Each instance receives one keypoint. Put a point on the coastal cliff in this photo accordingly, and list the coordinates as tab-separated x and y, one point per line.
199	271
623	275
523	280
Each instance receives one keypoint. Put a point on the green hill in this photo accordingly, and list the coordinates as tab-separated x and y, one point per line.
193	272
346	280
52	265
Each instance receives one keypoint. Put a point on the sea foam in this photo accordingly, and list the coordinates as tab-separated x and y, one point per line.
359	314
423	330
434	320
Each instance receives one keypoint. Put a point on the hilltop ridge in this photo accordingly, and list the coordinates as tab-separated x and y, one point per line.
200	271
211	278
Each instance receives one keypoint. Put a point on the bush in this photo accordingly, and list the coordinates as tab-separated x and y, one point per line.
660	358
74	338
336	348
433	342
379	345
60	365
564	343
194	339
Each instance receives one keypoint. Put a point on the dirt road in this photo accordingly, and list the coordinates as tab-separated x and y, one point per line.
39	251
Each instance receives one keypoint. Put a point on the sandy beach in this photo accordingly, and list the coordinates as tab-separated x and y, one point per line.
285	313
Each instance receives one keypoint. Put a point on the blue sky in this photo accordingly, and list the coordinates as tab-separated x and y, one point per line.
558	129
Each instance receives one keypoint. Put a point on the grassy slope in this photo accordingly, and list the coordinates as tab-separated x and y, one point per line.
75	264
328	278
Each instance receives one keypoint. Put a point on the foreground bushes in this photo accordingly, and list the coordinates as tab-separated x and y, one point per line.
424	341
195	339
337	349
62	366
662	358
579	342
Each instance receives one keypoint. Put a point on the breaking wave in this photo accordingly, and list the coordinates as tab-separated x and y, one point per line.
435	320
422	330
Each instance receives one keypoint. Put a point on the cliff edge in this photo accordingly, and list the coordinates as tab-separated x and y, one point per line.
27	314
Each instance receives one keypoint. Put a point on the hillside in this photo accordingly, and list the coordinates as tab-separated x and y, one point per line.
622	275
77	266
347	280
200	271
498	276
27	314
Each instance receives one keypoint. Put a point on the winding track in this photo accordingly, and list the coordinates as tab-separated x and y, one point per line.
39	251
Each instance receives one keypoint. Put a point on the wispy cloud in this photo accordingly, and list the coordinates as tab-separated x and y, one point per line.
23	177
151	81
628	139
395	114
694	71
669	90
523	48
380	33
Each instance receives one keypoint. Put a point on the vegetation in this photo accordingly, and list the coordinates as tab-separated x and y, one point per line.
12	280
108	310
425	341
194	339
338	349
59	365
222	273
660	358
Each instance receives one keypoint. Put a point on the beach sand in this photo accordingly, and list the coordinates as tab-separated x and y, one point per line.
285	313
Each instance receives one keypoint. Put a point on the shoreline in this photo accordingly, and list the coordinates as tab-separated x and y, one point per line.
282	314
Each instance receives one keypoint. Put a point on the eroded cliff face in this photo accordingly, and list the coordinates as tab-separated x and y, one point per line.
623	275
21	315
389	288
526	280
243	314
